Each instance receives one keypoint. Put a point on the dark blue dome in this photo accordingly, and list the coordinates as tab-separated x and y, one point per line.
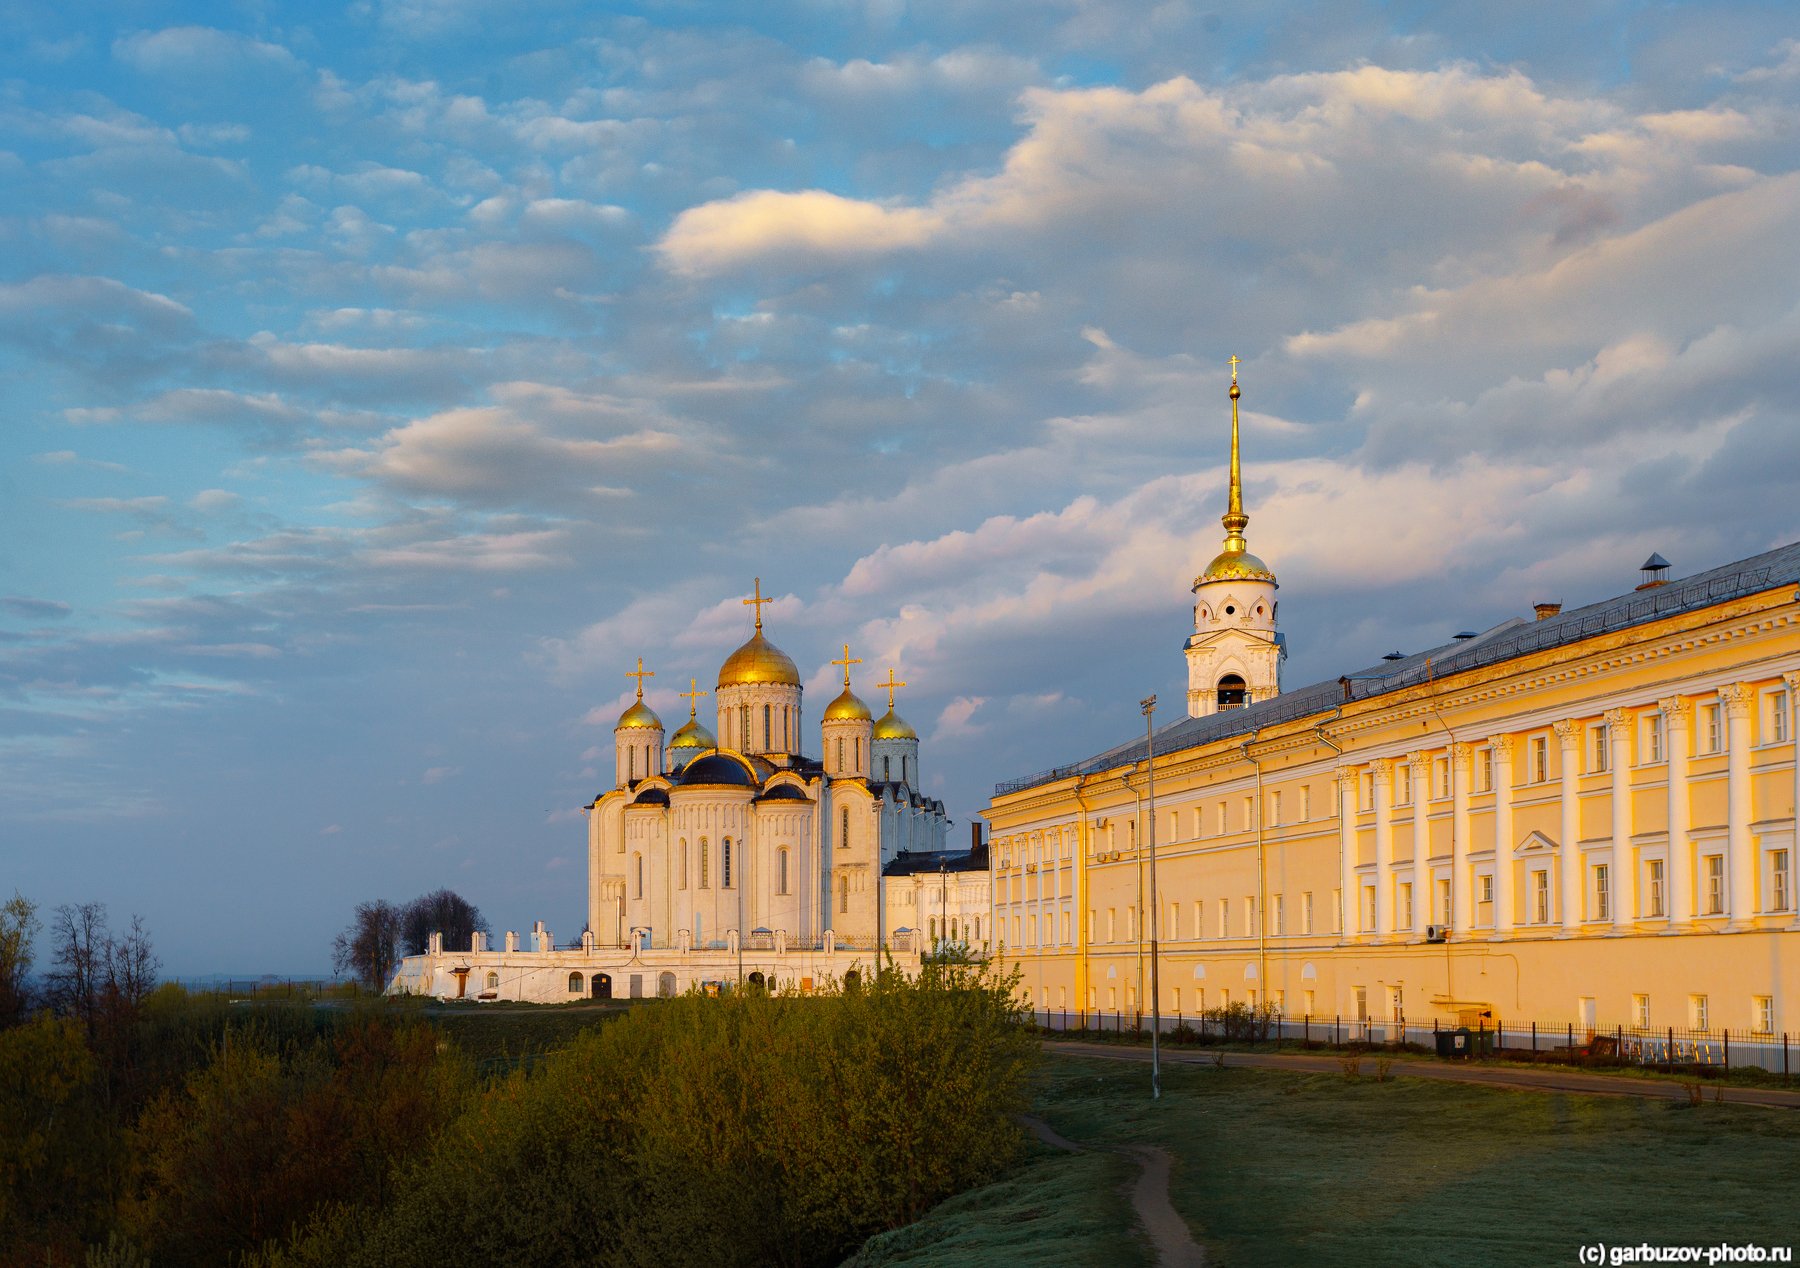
651	797
783	792
716	768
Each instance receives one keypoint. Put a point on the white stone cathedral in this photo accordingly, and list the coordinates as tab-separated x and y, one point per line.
731	855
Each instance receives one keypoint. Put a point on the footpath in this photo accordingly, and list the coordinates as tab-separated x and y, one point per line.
1494	1074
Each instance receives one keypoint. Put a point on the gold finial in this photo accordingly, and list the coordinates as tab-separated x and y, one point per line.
757	603
890	684
693	695
846	662
1234	518
640	673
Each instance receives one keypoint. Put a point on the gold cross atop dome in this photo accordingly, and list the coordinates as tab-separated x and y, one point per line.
640	673
890	684
757	603
693	697
846	662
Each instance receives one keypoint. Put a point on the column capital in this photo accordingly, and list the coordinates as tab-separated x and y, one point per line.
1502	745
1617	719
1419	759
1347	775
1737	698
1459	755
1791	680
1568	733
1675	706
1382	767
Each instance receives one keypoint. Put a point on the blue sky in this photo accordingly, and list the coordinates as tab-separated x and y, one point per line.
381	382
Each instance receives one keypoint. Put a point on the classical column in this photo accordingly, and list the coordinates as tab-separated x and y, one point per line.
1740	863
1383	770
1624	857
1568	739
1792	682
1677	735
1462	876
1349	895
1422	913
1503	833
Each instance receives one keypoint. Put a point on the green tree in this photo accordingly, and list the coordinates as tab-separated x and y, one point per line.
369	947
18	930
54	1141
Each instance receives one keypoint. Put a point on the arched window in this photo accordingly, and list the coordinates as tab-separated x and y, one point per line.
787	733
887	768
744	724
704	860
978	928
783	871
953	930
639	860
631	762
1231	692
843	893
574	983
844	838
931	928
725	863
840	752
682	848
768	712
493	980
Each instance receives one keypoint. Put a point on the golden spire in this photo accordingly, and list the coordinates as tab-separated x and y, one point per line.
1234	518
757	603
846	662
640	674
890	684
693	695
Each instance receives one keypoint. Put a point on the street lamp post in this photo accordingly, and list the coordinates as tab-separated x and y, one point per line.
1148	705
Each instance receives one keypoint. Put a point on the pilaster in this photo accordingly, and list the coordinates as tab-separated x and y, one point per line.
1462	876
1423	897
1568	740
1740	863
1623	870
1503	834
1383	770
1678	733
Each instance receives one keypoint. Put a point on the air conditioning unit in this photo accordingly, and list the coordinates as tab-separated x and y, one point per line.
1437	933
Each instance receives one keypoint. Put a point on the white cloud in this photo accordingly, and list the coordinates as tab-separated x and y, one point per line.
186	50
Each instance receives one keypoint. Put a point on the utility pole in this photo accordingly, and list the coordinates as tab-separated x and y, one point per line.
1148	705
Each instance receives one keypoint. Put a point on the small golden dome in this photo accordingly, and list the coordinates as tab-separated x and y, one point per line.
893	727
693	735
638	715
847	708
1235	565
758	661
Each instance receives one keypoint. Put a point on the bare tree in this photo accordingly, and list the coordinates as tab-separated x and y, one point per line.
80	941
131	965
445	912
370	947
18	930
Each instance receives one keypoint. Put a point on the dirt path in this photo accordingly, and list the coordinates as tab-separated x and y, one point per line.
1169	1234
1520	1078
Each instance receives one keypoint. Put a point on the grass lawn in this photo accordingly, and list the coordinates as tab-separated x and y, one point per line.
1276	1168
497	1038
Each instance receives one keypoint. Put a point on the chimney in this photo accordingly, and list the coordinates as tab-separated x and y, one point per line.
1546	610
1655	571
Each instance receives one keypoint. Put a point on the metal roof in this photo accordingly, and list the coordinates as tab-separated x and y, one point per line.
1506	641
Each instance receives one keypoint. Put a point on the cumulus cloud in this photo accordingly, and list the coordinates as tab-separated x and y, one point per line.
187	50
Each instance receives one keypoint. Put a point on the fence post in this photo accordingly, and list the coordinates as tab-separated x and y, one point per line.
1534	1037
1571	1036
1669	1052
1727	1033
1306	1030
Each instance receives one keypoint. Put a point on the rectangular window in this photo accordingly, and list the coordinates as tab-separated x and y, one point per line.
1249	810
1487	770
1280	915
1199	918
1199	823
1279	1000
1405	797
1540	897
1697	1011
1362	1003
1778	717
1653	897
1599	741
1275	810
1540	759
1715	884
1602	894
1249	916
1224	917
1112	924
1712	733
1653	738
1406	906
1305	803
1311	999
1440	774
1443	901
1368	908
1222	827
1306	912
1484	901
1781	893
1762	1010
1368	791
1640	1011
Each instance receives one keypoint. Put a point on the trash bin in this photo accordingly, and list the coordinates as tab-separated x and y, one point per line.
1455	1043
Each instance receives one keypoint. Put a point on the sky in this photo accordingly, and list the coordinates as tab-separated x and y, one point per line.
380	381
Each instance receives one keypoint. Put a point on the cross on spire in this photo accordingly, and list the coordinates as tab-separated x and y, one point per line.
846	662
693	698
757	603
640	673
890	684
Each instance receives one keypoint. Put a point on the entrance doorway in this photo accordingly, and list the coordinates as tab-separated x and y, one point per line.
602	986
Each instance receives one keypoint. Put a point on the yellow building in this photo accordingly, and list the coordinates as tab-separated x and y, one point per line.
1587	818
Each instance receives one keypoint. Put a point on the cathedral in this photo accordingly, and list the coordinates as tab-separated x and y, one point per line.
729	854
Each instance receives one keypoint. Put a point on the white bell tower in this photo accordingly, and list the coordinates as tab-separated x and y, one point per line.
1234	657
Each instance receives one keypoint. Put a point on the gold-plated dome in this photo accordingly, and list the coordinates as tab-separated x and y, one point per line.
693	736
1235	562
893	727
1235	565
758	661
847	708
639	715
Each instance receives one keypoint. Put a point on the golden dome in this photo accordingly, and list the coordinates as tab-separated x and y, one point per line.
847	708
758	661
1235	565
638	715
693	735
893	727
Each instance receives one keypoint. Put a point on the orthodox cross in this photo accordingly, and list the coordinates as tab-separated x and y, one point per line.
640	673
1234	366
757	603
693	697
846	662
890	684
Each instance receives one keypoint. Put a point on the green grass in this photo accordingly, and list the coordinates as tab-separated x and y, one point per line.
497	1039
1273	1167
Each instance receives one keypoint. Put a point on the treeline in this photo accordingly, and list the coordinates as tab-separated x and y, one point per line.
185	1129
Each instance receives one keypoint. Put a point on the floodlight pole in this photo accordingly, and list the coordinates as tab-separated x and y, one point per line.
1148	705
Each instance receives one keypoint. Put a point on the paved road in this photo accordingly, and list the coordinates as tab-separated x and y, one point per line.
1526	1078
